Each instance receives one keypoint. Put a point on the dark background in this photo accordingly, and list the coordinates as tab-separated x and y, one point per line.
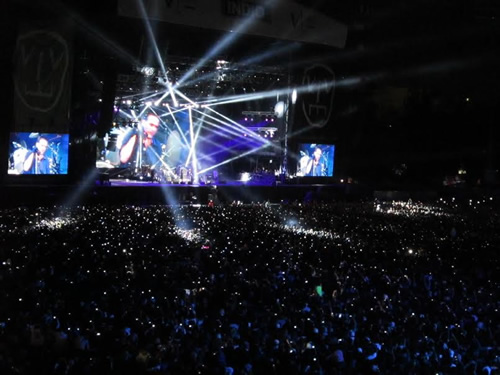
416	94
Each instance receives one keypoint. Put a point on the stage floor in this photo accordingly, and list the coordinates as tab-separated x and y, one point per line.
137	192
130	183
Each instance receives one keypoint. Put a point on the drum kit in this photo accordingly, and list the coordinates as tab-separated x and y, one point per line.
163	171
178	175
21	151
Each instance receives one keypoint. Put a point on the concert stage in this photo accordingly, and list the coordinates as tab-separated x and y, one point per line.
136	192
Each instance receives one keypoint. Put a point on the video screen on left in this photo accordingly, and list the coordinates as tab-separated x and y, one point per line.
38	153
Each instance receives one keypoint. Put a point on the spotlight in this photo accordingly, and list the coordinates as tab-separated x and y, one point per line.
147	71
245	177
279	109
294	96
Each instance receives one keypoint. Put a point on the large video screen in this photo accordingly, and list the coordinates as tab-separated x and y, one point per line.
38	153
181	144
315	160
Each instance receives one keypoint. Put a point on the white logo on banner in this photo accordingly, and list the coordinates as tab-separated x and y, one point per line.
41	69
317	101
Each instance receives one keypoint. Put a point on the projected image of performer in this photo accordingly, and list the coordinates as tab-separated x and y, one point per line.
36	161
317	164
141	146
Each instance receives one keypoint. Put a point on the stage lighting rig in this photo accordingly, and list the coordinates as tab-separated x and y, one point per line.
215	77
265	115
222	65
148	71
279	109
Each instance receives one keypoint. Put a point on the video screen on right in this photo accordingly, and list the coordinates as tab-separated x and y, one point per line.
316	160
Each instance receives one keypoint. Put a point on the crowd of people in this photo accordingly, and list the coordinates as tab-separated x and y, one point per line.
319	288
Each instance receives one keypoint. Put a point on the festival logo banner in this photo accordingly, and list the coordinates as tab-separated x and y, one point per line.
42	80
317	94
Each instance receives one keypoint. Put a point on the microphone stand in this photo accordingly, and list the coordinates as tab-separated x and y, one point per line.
138	161
36	162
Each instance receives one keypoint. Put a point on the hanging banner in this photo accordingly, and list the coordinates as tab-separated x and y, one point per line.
317	94
274	19
42	80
